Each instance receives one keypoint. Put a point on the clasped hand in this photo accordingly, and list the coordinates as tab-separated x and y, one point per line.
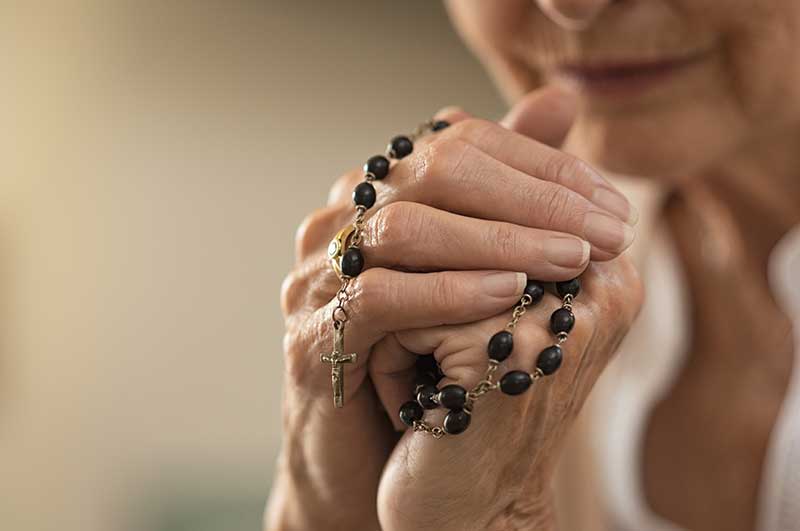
458	226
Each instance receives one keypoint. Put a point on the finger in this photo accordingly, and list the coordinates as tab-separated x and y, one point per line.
413	236
392	370
538	160
318	228
545	115
342	189
456	176
382	301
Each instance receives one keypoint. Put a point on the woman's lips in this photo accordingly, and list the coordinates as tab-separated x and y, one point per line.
622	78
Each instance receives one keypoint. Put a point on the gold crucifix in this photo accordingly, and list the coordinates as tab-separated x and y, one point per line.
337	359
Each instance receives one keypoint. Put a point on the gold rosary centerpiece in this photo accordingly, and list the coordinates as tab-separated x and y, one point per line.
337	247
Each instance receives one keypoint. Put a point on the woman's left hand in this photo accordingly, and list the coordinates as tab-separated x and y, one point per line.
497	474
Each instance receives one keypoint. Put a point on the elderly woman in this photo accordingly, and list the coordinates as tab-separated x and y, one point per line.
434	306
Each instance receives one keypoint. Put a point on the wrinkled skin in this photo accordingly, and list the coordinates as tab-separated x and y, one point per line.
719	132
424	293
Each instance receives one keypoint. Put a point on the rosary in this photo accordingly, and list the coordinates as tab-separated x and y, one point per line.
347	261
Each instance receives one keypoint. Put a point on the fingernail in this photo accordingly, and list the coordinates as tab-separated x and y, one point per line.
566	252
504	284
606	232
616	204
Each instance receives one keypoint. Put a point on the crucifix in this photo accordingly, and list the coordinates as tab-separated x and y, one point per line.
337	359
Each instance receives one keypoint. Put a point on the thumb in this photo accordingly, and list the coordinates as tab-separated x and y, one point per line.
545	115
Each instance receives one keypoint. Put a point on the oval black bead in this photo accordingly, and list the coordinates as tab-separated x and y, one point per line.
411	411
457	421
425	396
352	262
453	396
535	290
364	195
549	360
377	166
501	345
562	320
515	382
568	287
438	125
401	146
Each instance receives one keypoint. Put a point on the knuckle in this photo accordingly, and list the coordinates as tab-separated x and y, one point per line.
552	203
585	322
617	294
291	289
310	229
371	293
294	356
531	338
440	159
443	292
396	225
505	240
632	286
472	129
563	168
343	186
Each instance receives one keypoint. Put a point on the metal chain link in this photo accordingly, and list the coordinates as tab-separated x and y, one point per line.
339	314
358	226
436	431
519	311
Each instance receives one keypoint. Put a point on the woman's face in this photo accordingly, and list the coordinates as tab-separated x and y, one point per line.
668	87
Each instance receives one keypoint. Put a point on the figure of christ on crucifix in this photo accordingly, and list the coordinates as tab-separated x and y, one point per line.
337	359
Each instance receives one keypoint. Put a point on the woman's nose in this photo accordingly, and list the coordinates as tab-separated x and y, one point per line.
573	14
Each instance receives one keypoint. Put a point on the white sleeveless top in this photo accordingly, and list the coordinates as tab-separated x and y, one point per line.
637	382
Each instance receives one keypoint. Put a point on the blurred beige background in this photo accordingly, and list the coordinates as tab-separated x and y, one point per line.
156	158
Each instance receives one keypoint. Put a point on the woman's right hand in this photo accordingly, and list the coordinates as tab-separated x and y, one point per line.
457	227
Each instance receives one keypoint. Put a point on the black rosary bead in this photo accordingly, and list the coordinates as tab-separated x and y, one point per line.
425	396
364	195
500	345
457	421
438	125
453	396
549	360
562	320
352	262
515	382
401	146
535	290
411	411
568	287
377	166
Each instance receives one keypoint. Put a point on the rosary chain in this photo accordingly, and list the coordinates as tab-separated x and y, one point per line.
488	384
339	315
